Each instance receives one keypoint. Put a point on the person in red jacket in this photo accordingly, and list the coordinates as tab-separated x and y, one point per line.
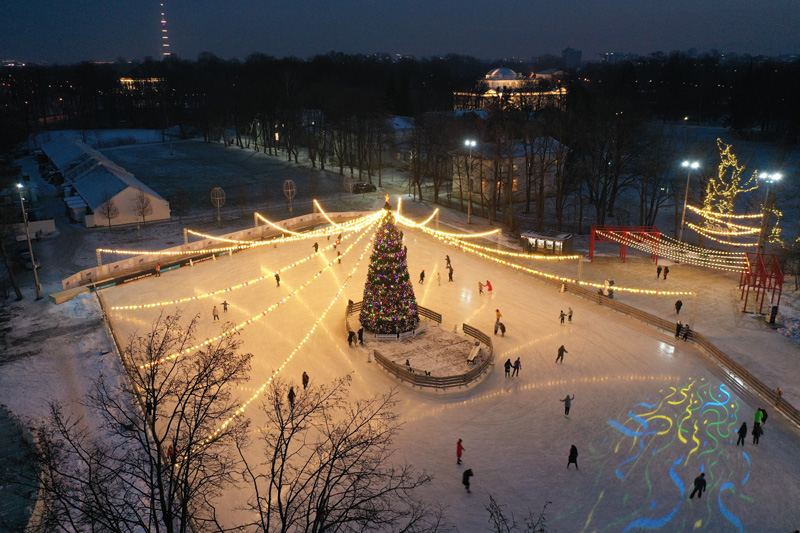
459	451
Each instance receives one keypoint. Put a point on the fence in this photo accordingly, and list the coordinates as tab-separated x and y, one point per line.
445	382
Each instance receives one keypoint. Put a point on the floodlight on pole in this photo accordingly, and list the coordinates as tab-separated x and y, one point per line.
689	165
469	143
762	235
30	245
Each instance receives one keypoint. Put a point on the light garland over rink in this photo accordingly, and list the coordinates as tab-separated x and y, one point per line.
711	214
232	287
678	245
721	241
411	224
524	255
733	264
729	233
262	314
458	244
286	361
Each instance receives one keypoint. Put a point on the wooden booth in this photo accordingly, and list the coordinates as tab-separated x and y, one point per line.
546	242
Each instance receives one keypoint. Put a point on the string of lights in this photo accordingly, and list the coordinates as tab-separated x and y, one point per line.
718	232
522	254
678	245
711	214
256	317
410	223
702	232
286	361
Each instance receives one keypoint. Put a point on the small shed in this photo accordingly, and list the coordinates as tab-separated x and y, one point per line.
546	242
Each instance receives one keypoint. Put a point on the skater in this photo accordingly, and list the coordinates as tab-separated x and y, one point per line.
278	278
678	306
339	257
666	271
742	434
459	450
658	272
480	287
465	478
699	486
447	259
316	247
569	315
561	352
158	270
339	239
779	395
439	278
562	316
517	366
421	276
351	337
567	404
305	381
502	329
763	417
449	274
361	335
573	457
685	332
489	287
678	327
508	366
758	418
498	316
225	305
291	397
757	432
215	313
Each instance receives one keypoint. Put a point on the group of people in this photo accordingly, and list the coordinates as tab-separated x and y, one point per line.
568	314
355	339
659	270
759	420
516	365
681	330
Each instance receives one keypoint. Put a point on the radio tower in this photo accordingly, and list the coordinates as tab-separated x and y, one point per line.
164	37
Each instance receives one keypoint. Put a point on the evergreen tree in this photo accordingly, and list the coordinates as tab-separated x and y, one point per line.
389	302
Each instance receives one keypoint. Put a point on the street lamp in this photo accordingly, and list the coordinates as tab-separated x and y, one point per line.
762	235
689	165
30	246
469	143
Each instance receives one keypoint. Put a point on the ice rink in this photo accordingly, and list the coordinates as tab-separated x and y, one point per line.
650	412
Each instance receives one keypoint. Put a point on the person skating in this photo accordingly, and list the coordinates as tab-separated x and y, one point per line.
449	274
573	457
316	247
361	335
291	397
421	276
339	257
763	418
757	432
225	305
158	270
508	366
678	306
215	313
569	315
502	329
459	450
278	279
685	332
498	316
489	287
567	403
758	417
517	366
699	486
562	316
658	272
465	478
561	352
438	278
351	337
666	271
480	287
447	259
305	381
678	327
742	434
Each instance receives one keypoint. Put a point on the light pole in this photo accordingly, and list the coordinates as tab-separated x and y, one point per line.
762	235
30	246
689	165
469	143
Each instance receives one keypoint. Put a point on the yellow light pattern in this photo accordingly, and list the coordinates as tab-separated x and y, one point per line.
715	239
711	214
678	245
324	214
259	316
523	255
705	231
411	224
286	361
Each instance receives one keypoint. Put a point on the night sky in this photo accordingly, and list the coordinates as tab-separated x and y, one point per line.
66	31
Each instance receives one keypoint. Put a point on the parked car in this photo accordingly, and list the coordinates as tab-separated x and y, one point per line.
362	187
25	259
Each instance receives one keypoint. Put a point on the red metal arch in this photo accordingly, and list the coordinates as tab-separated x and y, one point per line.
622	234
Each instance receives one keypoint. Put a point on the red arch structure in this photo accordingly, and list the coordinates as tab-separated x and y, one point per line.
762	273
623	235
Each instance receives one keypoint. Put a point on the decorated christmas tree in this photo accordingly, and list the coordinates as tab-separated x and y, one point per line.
389	302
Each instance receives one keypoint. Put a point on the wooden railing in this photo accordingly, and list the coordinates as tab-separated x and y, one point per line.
443	382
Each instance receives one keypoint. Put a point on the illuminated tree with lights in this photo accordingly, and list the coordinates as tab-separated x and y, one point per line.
722	190
389	302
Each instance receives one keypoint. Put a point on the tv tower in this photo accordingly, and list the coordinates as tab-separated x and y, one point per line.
164	37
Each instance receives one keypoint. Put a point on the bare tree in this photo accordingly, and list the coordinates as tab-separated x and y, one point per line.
142	205
501	523
180	203
108	209
327	465
150	465
7	224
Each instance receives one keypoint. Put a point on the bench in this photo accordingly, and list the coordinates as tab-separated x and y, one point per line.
476	350
414	370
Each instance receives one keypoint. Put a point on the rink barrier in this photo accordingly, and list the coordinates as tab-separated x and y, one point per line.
739	377
140	266
403	373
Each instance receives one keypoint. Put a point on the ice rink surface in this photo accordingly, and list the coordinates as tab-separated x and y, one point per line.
650	412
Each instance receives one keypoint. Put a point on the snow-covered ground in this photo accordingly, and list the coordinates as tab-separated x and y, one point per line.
649	412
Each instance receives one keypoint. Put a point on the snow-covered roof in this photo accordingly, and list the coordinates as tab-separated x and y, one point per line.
65	152
501	73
